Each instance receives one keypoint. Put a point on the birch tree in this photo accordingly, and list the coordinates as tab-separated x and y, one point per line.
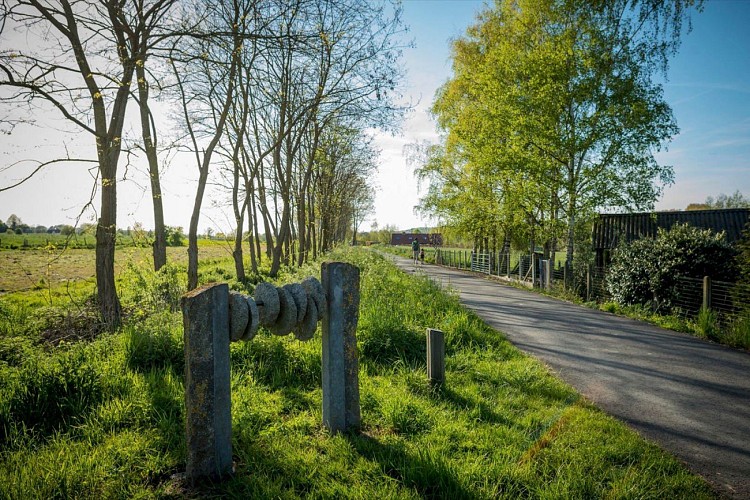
559	99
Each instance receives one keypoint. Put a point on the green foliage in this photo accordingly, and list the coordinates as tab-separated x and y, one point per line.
707	324
149	291
646	271
552	112
736	332
503	426
743	256
154	343
175	236
736	200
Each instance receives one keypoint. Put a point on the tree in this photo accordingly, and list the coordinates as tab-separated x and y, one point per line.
13	221
553	103
330	62
175	236
736	200
200	68
82	68
362	203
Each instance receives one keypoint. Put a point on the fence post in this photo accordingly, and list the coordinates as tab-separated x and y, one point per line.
208	418
707	292
435	356
341	411
589	283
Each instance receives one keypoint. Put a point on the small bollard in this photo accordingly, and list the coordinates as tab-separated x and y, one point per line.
435	356
341	411
208	418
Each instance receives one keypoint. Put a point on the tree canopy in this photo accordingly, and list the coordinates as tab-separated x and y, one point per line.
552	113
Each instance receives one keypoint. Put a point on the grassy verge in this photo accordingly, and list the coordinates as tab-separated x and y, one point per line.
732	331
104	418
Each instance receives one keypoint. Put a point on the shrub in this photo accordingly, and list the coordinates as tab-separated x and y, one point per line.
175	236
153	291
647	271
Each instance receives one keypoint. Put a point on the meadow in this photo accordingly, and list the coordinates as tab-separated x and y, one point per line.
101	416
48	266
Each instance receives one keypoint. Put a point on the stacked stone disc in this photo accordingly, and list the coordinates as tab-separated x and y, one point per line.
296	307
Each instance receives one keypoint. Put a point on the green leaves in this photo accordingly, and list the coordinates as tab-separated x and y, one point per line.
646	271
552	112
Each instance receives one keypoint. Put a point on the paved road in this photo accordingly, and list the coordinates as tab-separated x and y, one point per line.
690	396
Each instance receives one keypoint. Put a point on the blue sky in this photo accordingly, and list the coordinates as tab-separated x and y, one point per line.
708	89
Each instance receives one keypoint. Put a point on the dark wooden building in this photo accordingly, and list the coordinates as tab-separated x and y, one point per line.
432	239
612	229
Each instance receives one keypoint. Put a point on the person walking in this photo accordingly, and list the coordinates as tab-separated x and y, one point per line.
415	249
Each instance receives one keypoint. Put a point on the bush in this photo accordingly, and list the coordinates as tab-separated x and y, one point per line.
175	236
647	271
153	291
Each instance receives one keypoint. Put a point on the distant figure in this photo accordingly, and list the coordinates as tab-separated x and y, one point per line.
421	256
415	250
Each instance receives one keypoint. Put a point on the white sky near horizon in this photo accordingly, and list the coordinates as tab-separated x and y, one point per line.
708	89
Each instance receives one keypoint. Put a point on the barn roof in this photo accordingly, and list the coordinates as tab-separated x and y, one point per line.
610	229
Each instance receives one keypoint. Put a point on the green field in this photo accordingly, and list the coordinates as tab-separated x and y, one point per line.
56	266
103	417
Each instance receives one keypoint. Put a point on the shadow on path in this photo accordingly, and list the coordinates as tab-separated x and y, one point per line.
690	396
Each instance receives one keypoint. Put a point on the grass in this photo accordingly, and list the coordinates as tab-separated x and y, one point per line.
733	331
58	267
104	418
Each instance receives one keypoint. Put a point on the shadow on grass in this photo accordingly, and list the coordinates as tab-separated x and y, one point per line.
428	474
445	394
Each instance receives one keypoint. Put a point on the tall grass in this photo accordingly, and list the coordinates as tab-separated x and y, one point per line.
109	422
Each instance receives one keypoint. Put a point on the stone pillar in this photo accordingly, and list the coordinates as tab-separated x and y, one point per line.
435	356
208	419
340	362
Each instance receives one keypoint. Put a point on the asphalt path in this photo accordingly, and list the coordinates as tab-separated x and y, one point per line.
689	396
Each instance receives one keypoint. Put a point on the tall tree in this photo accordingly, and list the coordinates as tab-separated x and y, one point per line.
82	65
557	101
205	71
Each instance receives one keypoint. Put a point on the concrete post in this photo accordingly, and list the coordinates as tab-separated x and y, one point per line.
341	410
435	356
208	418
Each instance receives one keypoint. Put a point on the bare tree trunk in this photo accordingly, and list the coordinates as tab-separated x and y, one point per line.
251	230
571	218
106	234
148	132
203	176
